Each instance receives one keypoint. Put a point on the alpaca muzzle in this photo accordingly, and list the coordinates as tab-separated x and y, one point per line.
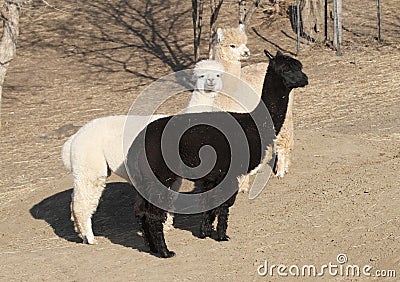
295	79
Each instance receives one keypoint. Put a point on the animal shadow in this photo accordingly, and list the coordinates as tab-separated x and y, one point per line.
114	218
192	222
189	222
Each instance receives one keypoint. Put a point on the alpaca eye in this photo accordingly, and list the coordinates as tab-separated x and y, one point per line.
201	76
218	75
232	46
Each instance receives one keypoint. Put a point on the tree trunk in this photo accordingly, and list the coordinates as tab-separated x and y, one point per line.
312	16
10	15
197	16
249	12
215	7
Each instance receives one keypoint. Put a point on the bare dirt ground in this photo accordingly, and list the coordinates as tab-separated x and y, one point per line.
340	197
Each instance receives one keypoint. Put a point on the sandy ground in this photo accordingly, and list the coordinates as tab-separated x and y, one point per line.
340	197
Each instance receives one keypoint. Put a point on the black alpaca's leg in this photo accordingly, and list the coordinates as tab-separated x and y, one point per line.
208	217
212	216
222	225
152	219
157	234
223	214
146	234
141	207
206	224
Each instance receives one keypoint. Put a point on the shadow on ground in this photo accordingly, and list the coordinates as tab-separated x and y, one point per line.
114	218
143	38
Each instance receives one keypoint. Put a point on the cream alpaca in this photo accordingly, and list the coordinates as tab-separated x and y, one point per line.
230	49
254	76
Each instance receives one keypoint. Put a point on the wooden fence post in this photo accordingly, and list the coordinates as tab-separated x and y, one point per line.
378	4
337	29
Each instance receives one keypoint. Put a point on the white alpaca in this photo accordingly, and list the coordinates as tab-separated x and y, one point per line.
207	74
96	149
231	57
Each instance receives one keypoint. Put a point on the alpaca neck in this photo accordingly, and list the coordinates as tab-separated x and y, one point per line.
232	67
200	102
275	96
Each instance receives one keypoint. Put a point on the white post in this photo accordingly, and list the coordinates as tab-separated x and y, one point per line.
337	29
378	4
298	23
326	20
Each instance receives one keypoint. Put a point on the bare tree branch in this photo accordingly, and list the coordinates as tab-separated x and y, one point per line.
52	6
242	11
249	12
215	7
197	16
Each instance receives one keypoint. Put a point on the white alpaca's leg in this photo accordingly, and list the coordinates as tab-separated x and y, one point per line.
284	145
244	183
280	165
85	199
289	146
284	142
169	222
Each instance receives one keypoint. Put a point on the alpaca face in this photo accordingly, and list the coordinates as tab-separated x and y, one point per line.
242	52
289	69
209	83
232	44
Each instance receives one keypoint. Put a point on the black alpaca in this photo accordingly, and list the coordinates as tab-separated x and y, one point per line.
283	74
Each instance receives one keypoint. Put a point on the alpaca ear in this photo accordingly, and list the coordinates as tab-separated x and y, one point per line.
268	54
194	77
220	35
242	28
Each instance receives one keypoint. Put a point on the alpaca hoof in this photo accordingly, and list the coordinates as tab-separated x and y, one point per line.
89	241
168	254
223	238
204	234
281	170
244	190
280	173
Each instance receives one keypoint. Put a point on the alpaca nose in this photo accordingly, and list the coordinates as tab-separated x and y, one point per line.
247	53
211	80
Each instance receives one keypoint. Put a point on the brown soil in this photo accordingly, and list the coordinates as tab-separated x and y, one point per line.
341	195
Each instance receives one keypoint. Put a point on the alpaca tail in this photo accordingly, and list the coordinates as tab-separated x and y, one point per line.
66	153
